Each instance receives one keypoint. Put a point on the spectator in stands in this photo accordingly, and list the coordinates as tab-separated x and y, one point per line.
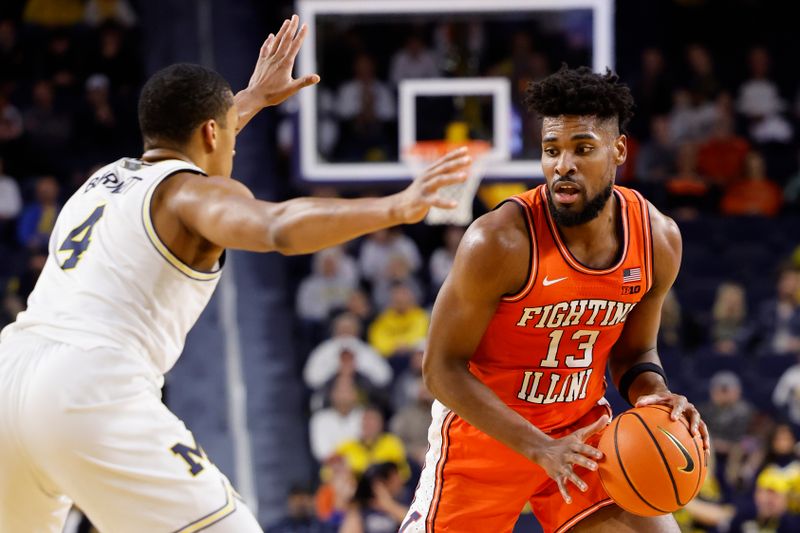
18	288
325	361
336	491
12	57
406	385
398	271
703	82
727	415
782	451
689	193
334	276
376	507
768	512
760	102
756	194
401	326
39	217
690	120
775	329
656	161
729	316
10	302
414	60
62	62
360	306
11	127
745	459
411	421
332	426
722	157
652	91
53	13
97	121
525	64
10	204
786	395
365	105
767	124
35	261
374	446
14	291
759	83
98	12
327	127
442	258
301	514
459	46
378	249
48	128
670	332
114	59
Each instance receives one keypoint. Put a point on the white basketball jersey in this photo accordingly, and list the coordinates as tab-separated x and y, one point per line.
109	281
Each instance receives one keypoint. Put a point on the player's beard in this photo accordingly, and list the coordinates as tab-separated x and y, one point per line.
589	212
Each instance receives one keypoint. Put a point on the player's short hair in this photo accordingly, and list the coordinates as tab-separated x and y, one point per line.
581	91
180	97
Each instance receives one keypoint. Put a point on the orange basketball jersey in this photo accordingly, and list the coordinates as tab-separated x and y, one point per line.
546	348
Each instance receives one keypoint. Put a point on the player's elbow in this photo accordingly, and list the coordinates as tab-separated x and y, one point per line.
278	239
428	375
281	238
434	375
277	230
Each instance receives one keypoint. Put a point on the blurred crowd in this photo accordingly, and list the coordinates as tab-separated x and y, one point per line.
716	150
70	73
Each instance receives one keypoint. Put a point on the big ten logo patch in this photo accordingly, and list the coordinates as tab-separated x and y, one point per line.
631	289
194	456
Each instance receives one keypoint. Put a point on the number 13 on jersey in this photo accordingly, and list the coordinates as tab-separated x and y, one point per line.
79	239
545	388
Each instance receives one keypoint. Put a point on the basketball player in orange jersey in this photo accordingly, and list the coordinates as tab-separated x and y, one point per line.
545	291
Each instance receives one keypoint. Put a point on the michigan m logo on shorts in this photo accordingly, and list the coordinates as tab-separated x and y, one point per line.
189	455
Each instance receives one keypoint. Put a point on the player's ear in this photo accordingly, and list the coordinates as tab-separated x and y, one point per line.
208	131
620	149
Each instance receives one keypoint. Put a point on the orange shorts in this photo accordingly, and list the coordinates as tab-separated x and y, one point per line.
473	483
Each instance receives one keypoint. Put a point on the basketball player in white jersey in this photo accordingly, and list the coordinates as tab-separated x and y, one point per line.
133	260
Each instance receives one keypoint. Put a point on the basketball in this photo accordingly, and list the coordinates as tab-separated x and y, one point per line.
652	465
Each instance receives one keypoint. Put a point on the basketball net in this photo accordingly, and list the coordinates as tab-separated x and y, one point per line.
422	154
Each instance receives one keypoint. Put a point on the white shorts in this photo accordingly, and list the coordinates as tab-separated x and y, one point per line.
89	427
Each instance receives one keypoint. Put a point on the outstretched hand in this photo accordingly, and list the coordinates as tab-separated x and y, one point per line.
272	82
417	199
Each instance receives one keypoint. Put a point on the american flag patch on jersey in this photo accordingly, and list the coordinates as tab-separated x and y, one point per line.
631	275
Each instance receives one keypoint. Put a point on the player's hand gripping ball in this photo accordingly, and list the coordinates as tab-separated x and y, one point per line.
652	465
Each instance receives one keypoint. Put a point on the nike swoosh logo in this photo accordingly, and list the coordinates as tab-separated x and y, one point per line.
689	468
547	282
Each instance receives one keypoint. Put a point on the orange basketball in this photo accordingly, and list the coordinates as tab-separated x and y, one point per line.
652	465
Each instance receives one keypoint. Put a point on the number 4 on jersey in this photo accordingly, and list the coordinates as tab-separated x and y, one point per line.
79	239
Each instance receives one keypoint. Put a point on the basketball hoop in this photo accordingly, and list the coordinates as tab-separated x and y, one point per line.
422	154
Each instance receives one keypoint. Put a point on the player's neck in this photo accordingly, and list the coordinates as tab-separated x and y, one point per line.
155	154
596	230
